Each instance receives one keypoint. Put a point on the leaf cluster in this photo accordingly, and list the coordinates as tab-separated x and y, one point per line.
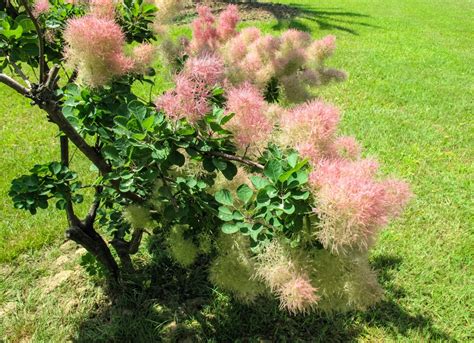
275	203
46	181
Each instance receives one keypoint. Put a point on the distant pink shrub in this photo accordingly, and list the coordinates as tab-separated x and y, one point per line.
294	59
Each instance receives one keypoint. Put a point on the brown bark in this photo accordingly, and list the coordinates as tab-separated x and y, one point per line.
93	243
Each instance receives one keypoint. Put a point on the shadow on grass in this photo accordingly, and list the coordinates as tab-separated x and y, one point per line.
180	305
296	16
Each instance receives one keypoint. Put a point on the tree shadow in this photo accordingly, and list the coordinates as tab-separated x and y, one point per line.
180	305
296	16
327	19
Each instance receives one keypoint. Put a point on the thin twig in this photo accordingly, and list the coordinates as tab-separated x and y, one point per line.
39	31
230	157
14	85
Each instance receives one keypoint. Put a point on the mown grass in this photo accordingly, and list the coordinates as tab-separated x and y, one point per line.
409	100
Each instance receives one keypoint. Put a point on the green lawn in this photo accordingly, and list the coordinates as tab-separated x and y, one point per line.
409	100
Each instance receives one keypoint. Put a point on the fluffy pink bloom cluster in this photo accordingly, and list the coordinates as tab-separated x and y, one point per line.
294	59
189	99
228	21
319	50
310	128
143	56
96	46
353	204
292	285
207	33
346	147
288	58
40	7
250	124
298	295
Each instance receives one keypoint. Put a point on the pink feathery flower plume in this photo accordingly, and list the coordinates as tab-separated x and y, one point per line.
189	99
298	295
291	54
143	56
102	8
95	46
250	125
308	151
40	7
310	128
352	204
329	171
207	68
346	147
227	24
321	49
205	36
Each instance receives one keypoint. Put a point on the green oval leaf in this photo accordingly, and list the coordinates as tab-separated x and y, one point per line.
244	193
225	214
230	228
273	170
224	197
259	182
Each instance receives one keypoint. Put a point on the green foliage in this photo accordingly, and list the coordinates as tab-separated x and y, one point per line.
47	181
18	40
136	17
277	204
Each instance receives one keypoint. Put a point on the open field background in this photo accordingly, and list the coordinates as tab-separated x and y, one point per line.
409	100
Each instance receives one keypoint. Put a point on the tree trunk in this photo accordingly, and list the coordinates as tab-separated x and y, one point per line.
93	243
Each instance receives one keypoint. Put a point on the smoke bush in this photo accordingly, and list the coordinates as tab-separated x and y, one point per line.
237	163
